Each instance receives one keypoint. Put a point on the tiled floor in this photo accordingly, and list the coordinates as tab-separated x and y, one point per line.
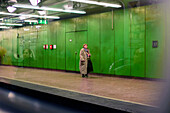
134	90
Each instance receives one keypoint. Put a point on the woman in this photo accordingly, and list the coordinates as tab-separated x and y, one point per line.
2	54
85	62
28	56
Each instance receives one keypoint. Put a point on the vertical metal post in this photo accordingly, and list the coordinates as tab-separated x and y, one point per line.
112	19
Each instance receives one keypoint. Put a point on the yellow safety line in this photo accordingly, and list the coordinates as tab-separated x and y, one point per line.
79	92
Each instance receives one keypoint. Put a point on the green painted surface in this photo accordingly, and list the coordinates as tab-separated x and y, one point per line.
107	43
1	41
74	43
14	47
70	52
45	41
52	34
94	41
155	32
26	48
126	63
4	45
81	23
61	55
71	25
20	46
81	38
119	42
32	42
7	45
39	49
1	38
138	41
122	49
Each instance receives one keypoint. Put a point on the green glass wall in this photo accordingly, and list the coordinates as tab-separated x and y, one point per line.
81	23
1	51
7	44
32	42
138	41
120	42
14	47
70	51
155	32
52	34
76	36
81	38
94	40
20	46
40	58
126	62
61	39
44	35
71	25
107	43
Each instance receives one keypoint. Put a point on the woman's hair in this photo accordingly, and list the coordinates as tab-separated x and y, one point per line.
31	53
84	45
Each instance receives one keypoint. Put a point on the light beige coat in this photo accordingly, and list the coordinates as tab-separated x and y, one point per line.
83	61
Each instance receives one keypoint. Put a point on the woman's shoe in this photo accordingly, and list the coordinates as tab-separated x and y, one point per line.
86	75
83	75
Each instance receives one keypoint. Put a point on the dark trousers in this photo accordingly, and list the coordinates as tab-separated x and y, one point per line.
90	66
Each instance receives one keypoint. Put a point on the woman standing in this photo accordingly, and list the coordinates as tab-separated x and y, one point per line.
2	54
85	64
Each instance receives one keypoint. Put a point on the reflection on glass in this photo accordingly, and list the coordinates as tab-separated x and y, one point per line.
2	54
28	56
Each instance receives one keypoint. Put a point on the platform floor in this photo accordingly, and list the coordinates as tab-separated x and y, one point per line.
124	89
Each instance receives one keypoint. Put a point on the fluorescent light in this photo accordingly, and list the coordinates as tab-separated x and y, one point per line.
38	27
68	7
12	14
34	2
13	24
12	1
42	12
4	27
37	16
98	3
11	9
48	9
29	16
22	17
2	23
26	29
10	24
31	21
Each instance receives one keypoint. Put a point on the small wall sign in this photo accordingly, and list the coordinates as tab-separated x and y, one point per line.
154	44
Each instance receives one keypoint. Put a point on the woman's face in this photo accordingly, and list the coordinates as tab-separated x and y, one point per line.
85	46
26	53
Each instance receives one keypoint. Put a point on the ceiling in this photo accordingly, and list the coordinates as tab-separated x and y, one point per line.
88	8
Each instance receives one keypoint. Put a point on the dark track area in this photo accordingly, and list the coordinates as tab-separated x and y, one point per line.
16	99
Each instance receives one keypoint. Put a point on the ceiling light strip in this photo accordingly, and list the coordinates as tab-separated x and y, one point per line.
27	15
12	14
31	21
10	24
13	24
47	9
4	27
98	3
